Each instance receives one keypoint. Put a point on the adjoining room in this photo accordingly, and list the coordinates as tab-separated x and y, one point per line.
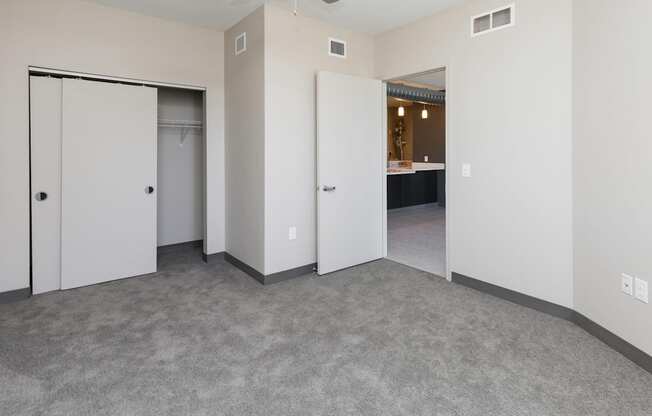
416	171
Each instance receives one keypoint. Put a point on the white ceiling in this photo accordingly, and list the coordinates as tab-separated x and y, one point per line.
395	102
435	80
369	16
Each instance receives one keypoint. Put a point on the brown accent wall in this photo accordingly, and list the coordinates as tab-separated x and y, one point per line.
424	137
429	136
392	120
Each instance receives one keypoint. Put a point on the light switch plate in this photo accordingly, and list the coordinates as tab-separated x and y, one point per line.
292	233
641	290
627	284
466	170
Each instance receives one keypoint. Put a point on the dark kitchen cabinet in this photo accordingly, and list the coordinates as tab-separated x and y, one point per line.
394	191
411	189
441	188
414	189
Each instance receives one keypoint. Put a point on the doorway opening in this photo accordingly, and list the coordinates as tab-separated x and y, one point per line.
416	171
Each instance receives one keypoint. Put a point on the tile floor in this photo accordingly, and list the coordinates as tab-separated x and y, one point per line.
416	237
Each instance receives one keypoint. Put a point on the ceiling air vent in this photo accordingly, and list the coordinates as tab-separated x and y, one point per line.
493	20
337	48
241	43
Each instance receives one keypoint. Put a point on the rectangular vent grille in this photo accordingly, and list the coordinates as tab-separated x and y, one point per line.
337	48
494	20
241	43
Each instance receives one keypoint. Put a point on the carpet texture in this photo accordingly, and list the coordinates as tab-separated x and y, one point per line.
379	339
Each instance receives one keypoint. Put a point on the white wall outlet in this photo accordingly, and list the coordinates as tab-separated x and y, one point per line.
627	284
640	288
425	158
466	170
292	233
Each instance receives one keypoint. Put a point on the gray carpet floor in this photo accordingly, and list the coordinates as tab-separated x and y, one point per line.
379	339
416	236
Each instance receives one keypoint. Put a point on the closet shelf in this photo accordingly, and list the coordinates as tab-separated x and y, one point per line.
185	125
191	124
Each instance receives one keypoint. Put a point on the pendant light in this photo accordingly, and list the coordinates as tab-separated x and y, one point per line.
424	113
401	111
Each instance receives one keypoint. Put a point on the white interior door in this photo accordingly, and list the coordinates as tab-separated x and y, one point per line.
350	172
45	148
108	164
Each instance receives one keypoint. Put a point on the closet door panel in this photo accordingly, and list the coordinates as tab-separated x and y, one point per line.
45	148
108	164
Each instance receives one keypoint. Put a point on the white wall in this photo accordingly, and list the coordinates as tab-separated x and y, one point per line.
509	116
245	142
297	48
180	181
612	169
81	36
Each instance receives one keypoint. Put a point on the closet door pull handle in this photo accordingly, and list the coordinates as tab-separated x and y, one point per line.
149	190
41	196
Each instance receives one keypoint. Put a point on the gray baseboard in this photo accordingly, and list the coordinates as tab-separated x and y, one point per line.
210	258
515	297
245	268
15	295
634	354
270	278
180	246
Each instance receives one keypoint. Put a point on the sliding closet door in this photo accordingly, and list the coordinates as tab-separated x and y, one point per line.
45	148
108	182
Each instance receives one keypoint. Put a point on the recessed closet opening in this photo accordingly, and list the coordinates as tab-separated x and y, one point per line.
117	177
180	168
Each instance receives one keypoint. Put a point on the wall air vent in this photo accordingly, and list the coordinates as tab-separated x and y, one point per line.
241	43
494	20
337	48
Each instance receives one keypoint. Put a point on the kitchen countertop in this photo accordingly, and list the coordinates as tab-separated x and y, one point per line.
416	167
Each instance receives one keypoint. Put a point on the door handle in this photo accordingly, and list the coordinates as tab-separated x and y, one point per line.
329	188
41	196
149	190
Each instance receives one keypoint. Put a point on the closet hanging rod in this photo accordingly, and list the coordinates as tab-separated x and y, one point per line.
185	125
181	124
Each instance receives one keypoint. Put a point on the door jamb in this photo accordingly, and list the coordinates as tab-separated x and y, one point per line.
383	167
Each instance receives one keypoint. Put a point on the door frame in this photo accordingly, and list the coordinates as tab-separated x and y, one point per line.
445	68
60	73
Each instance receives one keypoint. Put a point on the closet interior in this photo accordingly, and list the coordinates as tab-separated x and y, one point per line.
180	166
116	174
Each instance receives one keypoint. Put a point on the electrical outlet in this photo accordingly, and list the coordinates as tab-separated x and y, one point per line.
627	284
640	289
292	233
425	158
466	170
